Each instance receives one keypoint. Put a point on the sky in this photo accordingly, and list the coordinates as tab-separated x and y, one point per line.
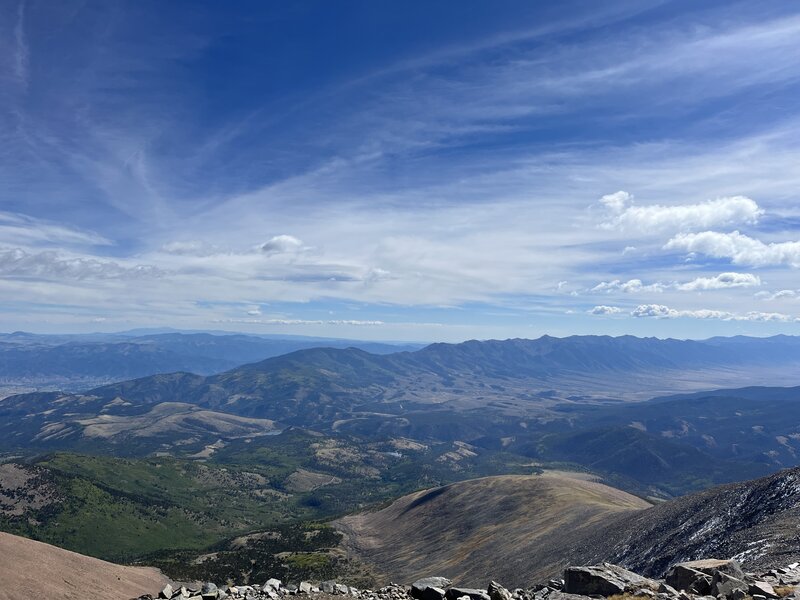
437	170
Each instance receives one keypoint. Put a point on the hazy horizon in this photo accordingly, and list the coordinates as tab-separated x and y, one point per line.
222	332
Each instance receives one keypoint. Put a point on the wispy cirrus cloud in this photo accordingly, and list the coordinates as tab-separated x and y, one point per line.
20	47
17	228
15	262
335	322
778	295
452	173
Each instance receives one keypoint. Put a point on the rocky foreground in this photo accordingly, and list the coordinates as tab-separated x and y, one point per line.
695	580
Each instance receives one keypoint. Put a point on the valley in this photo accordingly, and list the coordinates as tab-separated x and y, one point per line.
205	476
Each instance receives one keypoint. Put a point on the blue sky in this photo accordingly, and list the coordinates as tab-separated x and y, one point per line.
401	170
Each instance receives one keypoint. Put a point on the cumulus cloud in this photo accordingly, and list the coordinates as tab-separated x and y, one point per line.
660	311
15	262
665	312
721	281
624	215
739	248
605	310
629	287
617	201
716	282
281	244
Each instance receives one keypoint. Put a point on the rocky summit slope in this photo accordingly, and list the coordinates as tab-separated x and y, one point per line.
512	528
519	529
755	521
30	569
708	579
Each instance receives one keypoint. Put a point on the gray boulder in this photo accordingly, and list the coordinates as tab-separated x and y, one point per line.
166	592
305	587
725	585
665	588
209	591
688	579
604	580
498	592
761	588
328	587
710	566
558	595
456	593
435	582
433	593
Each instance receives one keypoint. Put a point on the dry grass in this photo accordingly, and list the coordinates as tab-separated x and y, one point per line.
784	590
514	529
625	596
305	481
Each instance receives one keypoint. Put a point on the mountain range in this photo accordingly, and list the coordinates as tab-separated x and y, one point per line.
78	362
295	440
512	394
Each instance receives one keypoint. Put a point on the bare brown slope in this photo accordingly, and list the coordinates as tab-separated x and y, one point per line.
513	529
31	569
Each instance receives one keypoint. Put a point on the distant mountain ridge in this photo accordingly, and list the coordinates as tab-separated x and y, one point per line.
77	362
443	391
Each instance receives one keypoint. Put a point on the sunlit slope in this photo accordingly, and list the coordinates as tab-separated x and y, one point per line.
515	529
30	569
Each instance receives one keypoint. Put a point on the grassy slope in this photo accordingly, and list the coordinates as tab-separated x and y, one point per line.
149	509
514	529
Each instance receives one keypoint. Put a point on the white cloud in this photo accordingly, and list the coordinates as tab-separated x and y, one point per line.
20	46
739	248
190	248
16	228
665	312
655	218
15	262
617	201
605	310
716	282
660	311
281	244
721	281
755	315
631	286
355	323
779	295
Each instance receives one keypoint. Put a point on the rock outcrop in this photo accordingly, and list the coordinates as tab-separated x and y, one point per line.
695	580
